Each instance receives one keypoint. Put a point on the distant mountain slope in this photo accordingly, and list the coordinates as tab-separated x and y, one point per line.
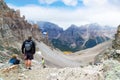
77	37
54	31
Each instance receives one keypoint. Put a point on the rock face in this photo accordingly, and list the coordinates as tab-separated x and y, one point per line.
13	27
3	5
116	42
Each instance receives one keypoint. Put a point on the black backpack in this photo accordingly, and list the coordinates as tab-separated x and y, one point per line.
17	61
28	45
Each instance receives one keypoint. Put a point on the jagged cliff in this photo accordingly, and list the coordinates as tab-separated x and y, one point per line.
13	27
116	42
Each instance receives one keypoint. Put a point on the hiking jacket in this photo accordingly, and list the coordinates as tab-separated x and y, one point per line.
14	61
31	51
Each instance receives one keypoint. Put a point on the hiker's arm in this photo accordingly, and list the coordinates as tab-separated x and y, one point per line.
23	48
34	49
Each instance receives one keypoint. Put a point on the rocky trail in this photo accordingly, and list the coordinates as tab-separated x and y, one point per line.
39	73
78	73
108	70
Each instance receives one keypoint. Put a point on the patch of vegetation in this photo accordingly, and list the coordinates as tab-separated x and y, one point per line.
14	50
90	43
1	48
63	47
101	39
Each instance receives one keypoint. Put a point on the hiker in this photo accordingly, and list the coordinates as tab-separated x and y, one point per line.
14	60
28	49
43	62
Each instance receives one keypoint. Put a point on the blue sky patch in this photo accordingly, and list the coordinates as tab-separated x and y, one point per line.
22	3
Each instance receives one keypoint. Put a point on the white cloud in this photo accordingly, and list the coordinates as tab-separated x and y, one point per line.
115	2
47	1
105	15
66	2
94	3
70	2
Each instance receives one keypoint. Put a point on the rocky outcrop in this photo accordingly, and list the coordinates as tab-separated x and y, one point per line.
3	5
116	42
14	28
113	51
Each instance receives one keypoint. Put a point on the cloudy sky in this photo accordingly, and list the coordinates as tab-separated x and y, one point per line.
67	12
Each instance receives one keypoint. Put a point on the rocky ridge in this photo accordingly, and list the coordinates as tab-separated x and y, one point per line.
15	27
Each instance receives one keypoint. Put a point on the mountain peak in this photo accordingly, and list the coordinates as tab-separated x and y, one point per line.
72	27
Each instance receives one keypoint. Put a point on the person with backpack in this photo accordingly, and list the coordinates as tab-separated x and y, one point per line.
28	49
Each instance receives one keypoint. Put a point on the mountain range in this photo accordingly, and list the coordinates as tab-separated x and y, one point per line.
76	38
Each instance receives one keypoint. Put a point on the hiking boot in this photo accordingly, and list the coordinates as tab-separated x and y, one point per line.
29	68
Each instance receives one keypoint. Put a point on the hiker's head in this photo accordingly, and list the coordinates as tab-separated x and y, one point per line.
14	56
42	58
29	37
